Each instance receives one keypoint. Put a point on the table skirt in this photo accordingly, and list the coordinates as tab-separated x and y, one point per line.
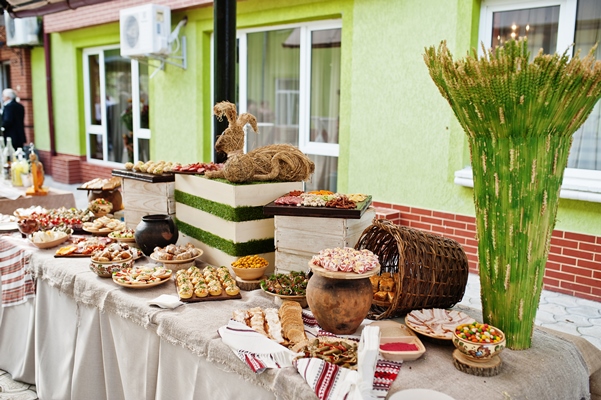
17	329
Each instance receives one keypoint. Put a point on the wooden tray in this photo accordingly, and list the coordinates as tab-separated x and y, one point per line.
454	317
342	275
195	299
143	176
48	245
324	212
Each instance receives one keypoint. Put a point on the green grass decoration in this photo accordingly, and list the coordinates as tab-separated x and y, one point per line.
519	117
223	211
227	246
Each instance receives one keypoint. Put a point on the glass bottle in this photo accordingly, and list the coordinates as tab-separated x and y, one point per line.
17	168
9	154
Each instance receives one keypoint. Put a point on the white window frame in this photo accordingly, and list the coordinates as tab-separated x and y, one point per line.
578	184
102	129
304	124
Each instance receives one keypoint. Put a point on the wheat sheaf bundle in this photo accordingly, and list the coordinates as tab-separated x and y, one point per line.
276	162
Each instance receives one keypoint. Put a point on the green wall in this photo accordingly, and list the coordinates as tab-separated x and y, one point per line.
399	140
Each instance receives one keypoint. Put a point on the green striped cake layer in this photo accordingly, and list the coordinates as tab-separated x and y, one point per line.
227	246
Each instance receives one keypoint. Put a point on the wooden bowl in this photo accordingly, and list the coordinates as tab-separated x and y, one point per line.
249	274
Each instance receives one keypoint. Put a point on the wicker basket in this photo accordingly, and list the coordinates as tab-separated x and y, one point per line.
429	271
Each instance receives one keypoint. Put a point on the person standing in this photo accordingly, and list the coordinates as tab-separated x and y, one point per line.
12	118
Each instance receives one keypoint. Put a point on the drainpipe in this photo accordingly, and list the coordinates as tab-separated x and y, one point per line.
224	80
48	62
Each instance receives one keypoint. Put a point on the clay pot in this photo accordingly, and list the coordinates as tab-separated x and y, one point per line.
339	305
155	230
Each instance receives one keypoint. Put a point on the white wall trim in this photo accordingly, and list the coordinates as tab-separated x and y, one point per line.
574	186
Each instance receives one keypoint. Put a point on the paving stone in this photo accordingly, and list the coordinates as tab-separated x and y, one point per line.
589	303
24	395
564	300
577	320
590	330
552	308
585	311
597	322
544	317
565	327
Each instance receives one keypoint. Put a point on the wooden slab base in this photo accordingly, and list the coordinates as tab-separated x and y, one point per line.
490	367
249	285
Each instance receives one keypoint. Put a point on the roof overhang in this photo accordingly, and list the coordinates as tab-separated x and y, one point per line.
36	8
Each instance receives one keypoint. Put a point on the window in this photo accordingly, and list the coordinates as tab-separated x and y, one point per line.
289	78
554	25
116	107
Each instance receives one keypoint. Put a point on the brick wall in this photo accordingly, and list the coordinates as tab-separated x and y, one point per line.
573	266
103	13
19	60
69	169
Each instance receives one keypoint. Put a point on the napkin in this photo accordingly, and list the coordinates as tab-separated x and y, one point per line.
165	301
255	349
10	192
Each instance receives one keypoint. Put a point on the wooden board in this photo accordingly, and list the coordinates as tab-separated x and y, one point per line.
142	176
247	286
222	296
327	212
490	367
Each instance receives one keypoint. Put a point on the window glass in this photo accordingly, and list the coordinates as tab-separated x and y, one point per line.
538	25
273	87
279	64
585	152
114	86
94	73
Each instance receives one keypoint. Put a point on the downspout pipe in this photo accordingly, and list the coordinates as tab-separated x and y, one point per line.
224	78
49	96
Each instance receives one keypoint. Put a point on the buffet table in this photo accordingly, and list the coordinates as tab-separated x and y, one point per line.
91	338
54	199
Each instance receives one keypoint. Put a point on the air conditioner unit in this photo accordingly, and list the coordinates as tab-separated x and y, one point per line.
22	31
145	30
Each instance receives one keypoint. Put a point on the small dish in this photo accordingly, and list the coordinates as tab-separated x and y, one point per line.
479	351
188	260
409	348
279	298
49	244
105	269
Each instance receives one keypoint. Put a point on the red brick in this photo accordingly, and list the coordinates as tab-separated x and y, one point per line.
597	274
454	224
471	227
562	276
465	218
564	243
594	297
564	291
588	281
578	254
442	230
472	257
555	250
549	282
466	234
443	215
410	217
589	264
596	292
432	221
402	209
379	204
594	248
562	259
472	242
576	271
557	234
580	237
553	266
576	287
420	226
421	211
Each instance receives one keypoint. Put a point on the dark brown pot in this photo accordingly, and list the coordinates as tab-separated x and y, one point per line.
339	305
156	230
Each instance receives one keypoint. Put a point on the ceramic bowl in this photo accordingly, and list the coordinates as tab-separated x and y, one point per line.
106	269
250	274
478	351
27	226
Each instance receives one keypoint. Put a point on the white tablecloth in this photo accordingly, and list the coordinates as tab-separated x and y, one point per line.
95	340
